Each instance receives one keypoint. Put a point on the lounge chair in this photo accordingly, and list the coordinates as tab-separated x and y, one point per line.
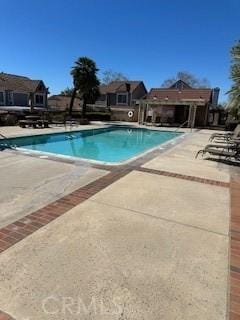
227	135
232	146
227	154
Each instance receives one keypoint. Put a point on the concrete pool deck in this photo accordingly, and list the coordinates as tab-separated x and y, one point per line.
28	183
149	241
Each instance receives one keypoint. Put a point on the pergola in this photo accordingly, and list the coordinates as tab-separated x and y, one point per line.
192	104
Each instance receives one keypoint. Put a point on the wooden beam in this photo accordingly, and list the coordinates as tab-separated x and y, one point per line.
185	102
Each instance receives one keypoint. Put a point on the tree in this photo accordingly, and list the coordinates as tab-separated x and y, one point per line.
234	93
189	78
110	75
85	82
67	92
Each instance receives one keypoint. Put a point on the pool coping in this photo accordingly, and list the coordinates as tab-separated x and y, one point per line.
68	129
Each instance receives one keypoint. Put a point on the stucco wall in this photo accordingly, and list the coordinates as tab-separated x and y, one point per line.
122	115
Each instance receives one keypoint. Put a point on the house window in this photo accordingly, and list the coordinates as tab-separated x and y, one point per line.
122	98
1	98
39	99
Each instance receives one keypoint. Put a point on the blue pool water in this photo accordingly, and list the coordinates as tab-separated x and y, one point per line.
113	144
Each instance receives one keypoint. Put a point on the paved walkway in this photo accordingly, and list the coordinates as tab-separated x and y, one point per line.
29	183
147	242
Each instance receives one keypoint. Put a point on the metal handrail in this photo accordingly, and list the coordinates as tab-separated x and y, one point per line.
181	125
3	137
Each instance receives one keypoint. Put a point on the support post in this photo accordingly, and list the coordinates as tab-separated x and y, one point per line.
143	112
139	112
194	115
189	116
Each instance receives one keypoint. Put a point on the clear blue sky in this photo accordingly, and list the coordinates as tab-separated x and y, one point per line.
146	40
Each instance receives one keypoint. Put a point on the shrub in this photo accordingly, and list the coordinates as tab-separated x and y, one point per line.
9	120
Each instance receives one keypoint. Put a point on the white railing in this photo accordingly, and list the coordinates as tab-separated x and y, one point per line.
6	142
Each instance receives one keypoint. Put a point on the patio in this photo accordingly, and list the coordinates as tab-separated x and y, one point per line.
113	250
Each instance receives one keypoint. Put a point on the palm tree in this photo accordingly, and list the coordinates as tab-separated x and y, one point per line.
234	93
85	82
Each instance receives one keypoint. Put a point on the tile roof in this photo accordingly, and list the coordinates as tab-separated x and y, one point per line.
118	86
175	94
18	83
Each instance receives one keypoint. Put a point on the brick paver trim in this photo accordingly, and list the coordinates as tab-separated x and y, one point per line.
5	316
234	285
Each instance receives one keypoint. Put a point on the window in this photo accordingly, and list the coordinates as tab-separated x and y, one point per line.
39	99
122	98
1	98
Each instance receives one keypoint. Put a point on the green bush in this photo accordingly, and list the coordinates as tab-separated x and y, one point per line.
9	120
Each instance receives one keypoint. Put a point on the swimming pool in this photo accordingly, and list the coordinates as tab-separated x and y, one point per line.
113	144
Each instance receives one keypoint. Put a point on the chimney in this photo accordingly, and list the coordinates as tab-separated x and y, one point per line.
128	89
215	95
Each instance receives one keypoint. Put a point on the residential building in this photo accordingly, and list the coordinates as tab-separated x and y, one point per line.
22	91
122	93
121	97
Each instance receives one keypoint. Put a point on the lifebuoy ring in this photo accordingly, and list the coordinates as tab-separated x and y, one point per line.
130	114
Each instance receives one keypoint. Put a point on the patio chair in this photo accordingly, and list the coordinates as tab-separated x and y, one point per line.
227	135
43	123
148	120
157	121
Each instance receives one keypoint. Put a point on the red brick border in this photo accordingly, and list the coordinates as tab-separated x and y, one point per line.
234	289
185	177
25	226
5	316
